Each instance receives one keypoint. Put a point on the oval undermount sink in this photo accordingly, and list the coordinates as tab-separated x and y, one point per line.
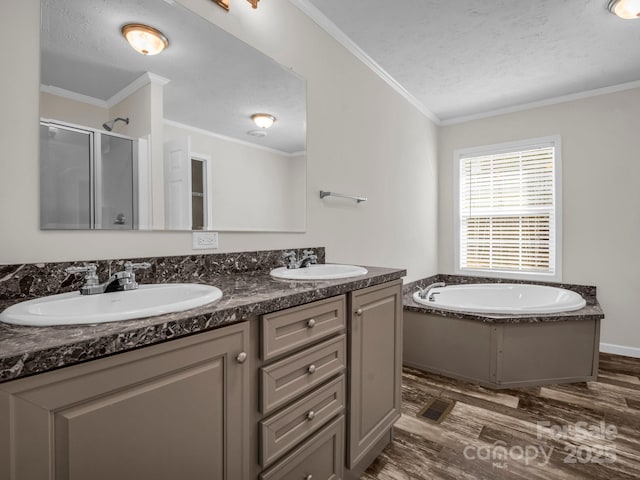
74	309
319	271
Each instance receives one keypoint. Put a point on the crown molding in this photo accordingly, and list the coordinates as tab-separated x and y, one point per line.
332	29
208	133
78	97
543	103
143	80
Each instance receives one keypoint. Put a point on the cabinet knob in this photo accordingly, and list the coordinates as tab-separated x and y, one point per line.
311	323
242	356
311	415
308	477
311	369
359	312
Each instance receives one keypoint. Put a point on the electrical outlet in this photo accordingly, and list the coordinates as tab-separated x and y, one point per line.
205	240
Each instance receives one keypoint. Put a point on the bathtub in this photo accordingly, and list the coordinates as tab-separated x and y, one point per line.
502	298
502	335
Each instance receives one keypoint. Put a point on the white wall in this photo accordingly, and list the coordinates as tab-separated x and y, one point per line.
72	111
363	138
601	195
253	188
137	108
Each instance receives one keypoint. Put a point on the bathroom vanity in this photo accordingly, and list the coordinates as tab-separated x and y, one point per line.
277	380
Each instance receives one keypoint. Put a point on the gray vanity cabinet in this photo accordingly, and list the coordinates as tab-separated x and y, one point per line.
375	371
302	394
175	410
312	373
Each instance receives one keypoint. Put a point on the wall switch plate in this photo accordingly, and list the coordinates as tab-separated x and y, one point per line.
205	240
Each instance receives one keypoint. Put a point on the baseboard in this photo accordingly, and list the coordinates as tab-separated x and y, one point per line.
620	350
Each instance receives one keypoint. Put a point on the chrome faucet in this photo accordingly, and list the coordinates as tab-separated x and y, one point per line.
291	259
424	292
308	257
118	282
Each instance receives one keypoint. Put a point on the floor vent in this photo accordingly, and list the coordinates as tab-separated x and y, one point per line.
436	409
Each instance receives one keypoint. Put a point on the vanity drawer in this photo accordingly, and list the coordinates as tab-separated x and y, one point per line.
285	429
290	329
286	379
319	458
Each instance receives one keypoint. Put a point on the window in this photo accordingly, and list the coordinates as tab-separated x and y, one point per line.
509	210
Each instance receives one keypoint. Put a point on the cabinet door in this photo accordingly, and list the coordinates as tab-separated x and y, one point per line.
177	410
375	352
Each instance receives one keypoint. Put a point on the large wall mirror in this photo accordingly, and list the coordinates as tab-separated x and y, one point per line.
166	141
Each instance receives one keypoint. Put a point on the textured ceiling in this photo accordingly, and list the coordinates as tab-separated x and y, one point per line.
216	81
469	57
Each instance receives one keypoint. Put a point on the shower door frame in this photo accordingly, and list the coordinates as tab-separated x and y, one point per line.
95	169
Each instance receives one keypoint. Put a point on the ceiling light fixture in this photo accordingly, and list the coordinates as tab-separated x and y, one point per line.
145	39
263	120
627	9
225	3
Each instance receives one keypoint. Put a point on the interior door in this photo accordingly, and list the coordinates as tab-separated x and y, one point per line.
177	184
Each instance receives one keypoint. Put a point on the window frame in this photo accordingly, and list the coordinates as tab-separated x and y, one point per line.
519	145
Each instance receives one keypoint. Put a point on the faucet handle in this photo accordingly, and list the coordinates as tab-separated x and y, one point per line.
130	267
89	267
91	278
290	259
308	257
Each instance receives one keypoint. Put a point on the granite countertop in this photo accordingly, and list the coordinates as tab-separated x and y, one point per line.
26	351
591	311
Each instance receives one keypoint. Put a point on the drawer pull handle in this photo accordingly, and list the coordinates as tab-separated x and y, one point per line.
308	477
359	312
311	415
311	369
311	323
242	356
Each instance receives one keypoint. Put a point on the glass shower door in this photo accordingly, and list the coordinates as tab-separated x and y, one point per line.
66	159
116	188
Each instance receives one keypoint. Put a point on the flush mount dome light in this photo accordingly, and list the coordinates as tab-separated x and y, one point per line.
145	39
627	9
263	120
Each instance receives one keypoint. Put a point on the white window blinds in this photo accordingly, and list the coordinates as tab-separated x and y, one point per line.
507	208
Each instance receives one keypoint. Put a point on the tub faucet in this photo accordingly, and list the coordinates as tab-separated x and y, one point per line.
118	282
424	292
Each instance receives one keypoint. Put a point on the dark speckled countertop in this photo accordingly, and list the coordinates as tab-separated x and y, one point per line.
26	351
591	311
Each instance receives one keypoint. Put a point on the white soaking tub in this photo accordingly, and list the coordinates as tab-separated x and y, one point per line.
502	298
503	335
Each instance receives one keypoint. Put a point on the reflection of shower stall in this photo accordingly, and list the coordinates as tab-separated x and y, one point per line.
88	178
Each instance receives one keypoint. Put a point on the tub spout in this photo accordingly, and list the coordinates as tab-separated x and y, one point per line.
424	292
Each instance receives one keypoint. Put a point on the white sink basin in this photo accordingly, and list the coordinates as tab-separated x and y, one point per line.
321	271
73	308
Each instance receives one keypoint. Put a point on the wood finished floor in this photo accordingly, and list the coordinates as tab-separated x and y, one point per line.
522	433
